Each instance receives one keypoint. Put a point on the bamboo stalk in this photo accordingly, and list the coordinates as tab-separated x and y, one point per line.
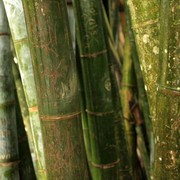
57	88
116	81
167	159
114	17
144	18
26	169
127	96
98	91
9	159
23	108
145	26
144	128
17	24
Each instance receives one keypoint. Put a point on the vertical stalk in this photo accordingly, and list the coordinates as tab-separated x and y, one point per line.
115	69
145	25
167	160
8	130
144	129
100	110
57	88
17	24
127	96
23	108
26	169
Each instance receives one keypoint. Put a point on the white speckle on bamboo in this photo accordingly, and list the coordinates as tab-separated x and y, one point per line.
155	50
146	38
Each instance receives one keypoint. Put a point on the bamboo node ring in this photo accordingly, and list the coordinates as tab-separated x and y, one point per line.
61	117
146	23
99	113
33	109
7	164
168	91
106	166
4	34
93	55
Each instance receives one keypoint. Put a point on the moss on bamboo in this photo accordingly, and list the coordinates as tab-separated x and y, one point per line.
145	25
167	159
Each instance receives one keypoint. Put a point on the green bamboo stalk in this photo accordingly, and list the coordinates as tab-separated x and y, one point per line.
8	130
114	17
167	155
98	90
57	88
84	118
26	169
145	20
127	98
142	95
116	80
144	129
71	22
17	24
145	26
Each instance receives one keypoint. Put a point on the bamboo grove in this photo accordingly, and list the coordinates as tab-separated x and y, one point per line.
89	89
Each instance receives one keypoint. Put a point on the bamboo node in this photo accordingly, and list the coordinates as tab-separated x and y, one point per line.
128	85
93	55
7	164
99	113
41	170
33	109
61	117
106	166
7	103
146	23
4	34
168	91
21	40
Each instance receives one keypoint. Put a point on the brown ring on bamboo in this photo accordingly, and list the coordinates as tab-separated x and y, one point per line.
59	118
33	109
4	34
106	166
7	103
20	40
128	85
147	23
41	170
168	91
93	55
99	113
7	164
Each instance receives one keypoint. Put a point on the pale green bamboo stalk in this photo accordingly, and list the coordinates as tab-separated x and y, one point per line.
17	24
